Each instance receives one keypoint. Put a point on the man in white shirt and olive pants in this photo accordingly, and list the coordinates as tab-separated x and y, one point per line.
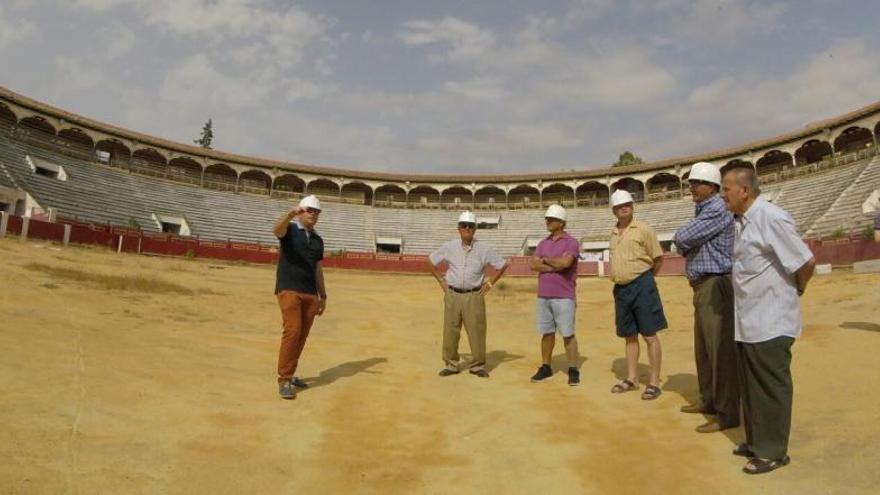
771	268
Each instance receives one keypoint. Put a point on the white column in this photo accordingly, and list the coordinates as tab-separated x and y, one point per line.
66	234
25	224
4	222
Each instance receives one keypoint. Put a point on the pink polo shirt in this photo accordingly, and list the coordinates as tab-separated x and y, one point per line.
558	284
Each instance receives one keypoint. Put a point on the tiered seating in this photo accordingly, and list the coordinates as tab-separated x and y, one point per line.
809	197
820	203
846	211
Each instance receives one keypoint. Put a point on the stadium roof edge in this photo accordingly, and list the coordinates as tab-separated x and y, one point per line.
551	176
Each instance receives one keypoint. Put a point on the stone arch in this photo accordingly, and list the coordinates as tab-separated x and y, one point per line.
735	163
524	196
119	154
558	192
490	197
812	151
592	193
220	176
456	197
424	195
37	126
357	193
389	195
148	161
288	185
7	116
663	186
853	139
773	162
324	189
185	169
633	186
76	137
254	181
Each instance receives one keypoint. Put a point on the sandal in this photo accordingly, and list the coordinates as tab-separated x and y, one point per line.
765	465
651	392
623	386
743	450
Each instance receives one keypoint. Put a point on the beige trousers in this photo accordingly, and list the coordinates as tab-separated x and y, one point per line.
468	308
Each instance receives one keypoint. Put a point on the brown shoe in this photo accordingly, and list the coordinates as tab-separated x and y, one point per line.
711	427
695	409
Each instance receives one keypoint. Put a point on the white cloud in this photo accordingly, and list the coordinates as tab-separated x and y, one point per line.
116	40
195	81
463	40
480	88
627	76
504	141
716	21
14	29
753	106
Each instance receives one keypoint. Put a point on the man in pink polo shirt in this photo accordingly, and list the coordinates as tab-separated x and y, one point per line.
556	260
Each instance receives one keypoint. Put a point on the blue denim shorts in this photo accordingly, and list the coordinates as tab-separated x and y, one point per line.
556	313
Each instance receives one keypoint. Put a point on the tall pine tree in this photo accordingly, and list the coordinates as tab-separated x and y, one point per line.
207	135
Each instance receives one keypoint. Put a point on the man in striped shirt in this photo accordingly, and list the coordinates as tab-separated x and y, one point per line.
707	244
464	287
771	268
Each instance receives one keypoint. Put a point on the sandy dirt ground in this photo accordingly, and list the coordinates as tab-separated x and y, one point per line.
127	374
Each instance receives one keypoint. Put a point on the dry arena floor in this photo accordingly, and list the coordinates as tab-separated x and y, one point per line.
125	374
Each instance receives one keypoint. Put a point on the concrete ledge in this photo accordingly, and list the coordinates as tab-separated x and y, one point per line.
823	269
870	266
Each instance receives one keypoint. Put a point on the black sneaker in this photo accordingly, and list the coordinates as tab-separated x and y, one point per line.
574	376
544	373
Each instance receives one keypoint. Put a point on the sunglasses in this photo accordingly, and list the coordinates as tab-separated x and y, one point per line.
313	211
467	226
695	183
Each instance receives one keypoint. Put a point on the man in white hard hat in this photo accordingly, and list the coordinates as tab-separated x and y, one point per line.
556	261
636	257
771	269
707	244
464	287
299	286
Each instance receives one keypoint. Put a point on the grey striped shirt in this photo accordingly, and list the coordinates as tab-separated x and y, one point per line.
466	266
766	254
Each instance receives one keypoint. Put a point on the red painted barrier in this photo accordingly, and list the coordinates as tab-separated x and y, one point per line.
839	252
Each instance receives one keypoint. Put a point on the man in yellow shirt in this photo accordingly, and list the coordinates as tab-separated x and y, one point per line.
636	256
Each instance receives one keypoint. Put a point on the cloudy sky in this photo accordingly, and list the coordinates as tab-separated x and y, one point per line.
448	86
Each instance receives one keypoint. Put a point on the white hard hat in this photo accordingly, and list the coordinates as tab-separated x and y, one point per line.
467	217
556	211
310	201
705	171
621	196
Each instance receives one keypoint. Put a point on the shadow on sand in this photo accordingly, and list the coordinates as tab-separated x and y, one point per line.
861	325
495	359
344	370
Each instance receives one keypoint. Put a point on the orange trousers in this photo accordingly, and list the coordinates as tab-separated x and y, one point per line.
298	311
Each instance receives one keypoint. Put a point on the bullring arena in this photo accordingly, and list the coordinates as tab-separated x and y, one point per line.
155	374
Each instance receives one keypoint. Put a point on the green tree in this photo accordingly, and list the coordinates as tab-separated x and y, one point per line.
207	135
627	158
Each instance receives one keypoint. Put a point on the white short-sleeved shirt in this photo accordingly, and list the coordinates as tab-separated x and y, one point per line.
466	265
766	254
